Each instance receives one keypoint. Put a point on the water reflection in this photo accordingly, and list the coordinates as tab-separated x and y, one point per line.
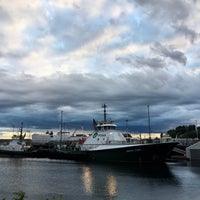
145	171
110	181
111	186
87	180
94	181
194	163
99	181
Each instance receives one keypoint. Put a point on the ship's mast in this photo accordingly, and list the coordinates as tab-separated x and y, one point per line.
149	123
61	127
104	107
21	132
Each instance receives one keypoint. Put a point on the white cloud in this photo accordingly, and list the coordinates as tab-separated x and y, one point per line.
80	54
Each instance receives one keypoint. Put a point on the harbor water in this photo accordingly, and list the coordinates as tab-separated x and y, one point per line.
45	178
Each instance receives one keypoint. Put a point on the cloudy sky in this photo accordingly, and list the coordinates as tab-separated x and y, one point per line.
75	55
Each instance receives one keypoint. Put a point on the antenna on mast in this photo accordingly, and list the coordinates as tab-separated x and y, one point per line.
61	127
104	107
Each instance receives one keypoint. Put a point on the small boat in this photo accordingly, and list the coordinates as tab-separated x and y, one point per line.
16	147
107	144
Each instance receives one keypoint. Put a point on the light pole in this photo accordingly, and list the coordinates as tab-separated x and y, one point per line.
126	125
197	130
149	123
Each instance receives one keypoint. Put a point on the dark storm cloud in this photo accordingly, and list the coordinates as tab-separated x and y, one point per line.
166	10
169	52
13	55
125	60
192	35
153	63
150	62
38	101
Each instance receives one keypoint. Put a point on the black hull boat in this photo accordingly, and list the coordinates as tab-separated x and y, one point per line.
106	144
138	153
15	154
143	153
17	148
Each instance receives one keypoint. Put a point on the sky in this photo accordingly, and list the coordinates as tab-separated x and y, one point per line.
75	55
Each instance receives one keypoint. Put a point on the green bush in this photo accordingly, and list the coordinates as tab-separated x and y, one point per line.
20	195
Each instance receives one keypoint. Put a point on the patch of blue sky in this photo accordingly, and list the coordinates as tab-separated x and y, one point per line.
145	33
30	35
193	64
145	29
192	54
174	69
106	67
76	35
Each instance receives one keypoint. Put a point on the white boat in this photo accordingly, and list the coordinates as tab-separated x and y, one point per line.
107	144
16	147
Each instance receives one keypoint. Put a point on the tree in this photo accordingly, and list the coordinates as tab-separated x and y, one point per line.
184	132
19	195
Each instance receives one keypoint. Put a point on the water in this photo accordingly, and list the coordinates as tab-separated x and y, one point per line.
44	178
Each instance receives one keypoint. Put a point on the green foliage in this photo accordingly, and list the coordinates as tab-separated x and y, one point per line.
172	133
55	198
20	195
184	132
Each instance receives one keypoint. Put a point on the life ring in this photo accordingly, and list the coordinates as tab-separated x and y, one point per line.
95	135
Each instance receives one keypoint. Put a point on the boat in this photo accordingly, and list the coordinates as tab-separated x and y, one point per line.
107	144
16	147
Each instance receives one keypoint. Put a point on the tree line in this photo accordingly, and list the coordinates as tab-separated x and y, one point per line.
190	131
